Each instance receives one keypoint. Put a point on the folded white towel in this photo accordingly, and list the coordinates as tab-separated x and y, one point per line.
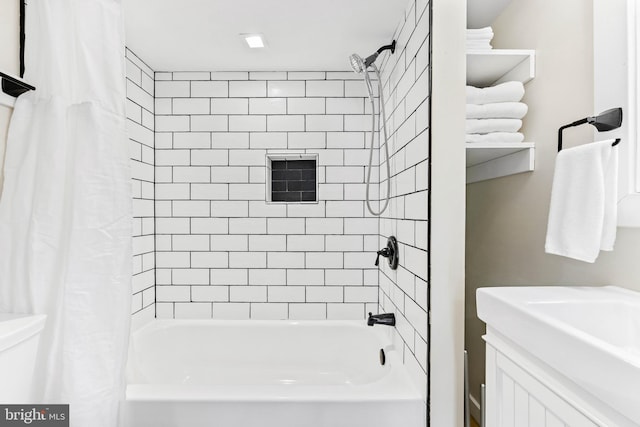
479	40
583	210
498	110
493	125
504	92
479	32
500	137
478	45
479	37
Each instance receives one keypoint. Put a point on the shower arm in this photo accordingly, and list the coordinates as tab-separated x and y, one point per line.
391	47
369	60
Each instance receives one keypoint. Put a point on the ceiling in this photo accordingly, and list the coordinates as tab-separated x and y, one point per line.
301	35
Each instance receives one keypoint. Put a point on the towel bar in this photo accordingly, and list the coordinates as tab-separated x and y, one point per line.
605	121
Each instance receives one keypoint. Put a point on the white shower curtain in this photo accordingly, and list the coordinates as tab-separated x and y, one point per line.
65	210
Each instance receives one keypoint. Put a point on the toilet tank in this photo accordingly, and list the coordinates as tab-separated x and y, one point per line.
19	338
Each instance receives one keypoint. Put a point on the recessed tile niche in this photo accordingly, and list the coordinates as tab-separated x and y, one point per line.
292	178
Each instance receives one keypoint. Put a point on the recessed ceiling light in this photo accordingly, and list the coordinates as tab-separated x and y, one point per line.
254	41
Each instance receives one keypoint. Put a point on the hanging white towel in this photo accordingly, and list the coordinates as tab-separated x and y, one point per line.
504	92
493	125
583	210
498	110
501	137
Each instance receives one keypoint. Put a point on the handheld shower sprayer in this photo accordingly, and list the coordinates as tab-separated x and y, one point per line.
357	63
360	66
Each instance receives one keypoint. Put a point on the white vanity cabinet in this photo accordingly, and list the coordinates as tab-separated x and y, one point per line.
561	356
520	393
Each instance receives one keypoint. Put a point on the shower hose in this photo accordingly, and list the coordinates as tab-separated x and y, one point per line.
369	85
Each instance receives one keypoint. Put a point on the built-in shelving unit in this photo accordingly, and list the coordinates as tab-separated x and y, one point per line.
491	67
481	13
493	160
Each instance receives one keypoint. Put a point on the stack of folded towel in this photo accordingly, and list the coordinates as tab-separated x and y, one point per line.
479	39
494	113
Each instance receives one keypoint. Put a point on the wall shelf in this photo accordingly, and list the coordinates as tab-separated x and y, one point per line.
482	13
493	160
489	67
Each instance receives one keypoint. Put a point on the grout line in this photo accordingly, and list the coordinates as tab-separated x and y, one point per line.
267	219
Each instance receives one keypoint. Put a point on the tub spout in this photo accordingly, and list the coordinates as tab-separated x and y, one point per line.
388	319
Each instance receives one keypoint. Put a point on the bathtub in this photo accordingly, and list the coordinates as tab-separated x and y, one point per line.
197	373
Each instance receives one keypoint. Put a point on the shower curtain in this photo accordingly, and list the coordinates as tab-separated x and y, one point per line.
65	209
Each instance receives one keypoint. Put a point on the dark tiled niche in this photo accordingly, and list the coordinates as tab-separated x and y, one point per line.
293	179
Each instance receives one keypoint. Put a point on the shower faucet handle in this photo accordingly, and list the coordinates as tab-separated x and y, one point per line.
385	253
390	252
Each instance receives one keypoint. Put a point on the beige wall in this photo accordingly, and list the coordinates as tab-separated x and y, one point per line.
9	60
507	217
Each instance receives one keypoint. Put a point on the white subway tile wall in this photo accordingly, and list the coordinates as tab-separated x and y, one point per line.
140	126
222	251
406	90
215	248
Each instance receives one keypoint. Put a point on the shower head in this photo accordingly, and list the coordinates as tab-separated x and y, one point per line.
359	65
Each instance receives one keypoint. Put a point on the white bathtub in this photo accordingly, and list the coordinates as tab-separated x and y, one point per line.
197	373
